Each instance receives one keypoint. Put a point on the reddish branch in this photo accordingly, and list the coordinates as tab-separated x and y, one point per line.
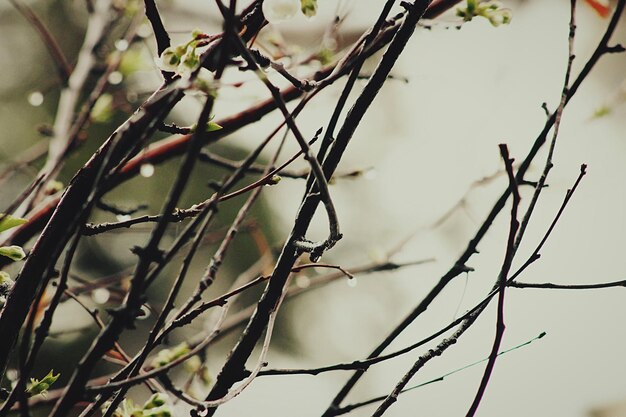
171	147
156	154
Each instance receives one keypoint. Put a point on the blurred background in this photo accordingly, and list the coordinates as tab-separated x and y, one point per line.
431	171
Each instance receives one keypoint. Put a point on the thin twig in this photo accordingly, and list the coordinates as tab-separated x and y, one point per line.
181	214
97	28
216	261
230	164
153	373
60	61
188	317
316	249
352	407
419	364
319	265
514	226
550	286
536	253
134	298
557	124
41	333
160	33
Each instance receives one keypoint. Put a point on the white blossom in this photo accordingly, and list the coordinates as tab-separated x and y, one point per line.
276	11
169	60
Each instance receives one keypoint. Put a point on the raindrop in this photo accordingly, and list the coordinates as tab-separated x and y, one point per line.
115	78
352	282
146	170
35	99
121	45
100	295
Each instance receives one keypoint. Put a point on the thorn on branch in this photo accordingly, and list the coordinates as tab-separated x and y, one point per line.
389	266
406	5
156	255
464	268
533	184
615	49
260	59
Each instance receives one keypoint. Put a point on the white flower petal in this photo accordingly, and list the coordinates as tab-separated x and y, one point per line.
276	11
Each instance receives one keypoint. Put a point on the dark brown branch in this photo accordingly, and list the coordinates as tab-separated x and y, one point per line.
40	334
550	286
125	315
557	124
438	7
536	253
160	33
316	249
514	226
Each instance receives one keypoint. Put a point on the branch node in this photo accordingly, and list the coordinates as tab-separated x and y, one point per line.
615	49
155	255
463	268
